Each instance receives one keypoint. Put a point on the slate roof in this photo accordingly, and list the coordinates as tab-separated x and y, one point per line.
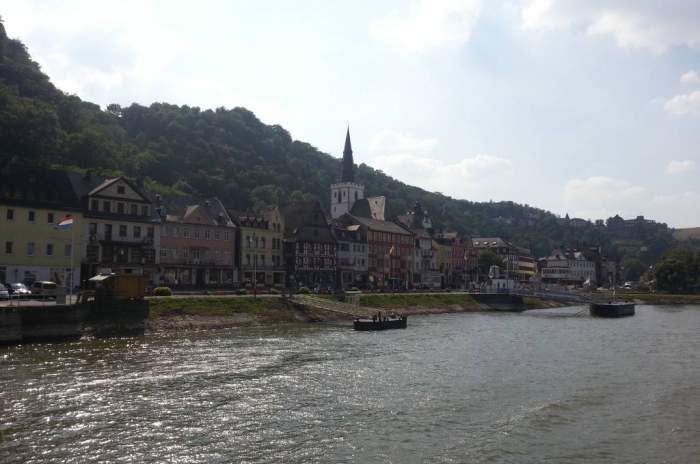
38	187
305	221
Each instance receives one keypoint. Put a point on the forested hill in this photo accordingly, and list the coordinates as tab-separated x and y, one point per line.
185	152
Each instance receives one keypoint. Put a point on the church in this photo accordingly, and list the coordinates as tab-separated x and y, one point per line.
389	250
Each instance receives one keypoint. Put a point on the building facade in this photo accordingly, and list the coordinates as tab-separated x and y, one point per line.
518	263
309	246
122	229
261	256
197	248
32	202
352	255
425	268
568	267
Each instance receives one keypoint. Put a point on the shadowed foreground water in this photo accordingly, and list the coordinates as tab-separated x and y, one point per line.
542	386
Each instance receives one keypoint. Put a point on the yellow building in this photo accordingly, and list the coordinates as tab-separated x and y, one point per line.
260	257
32	202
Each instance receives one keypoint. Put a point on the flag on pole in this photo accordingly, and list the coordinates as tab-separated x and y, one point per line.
65	223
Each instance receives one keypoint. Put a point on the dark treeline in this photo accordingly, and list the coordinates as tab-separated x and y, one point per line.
183	152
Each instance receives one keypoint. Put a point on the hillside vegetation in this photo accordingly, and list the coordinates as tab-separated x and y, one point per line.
185	152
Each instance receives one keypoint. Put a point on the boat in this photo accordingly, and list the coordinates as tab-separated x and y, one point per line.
612	309
379	322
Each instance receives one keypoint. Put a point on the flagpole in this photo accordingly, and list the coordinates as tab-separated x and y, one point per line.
72	274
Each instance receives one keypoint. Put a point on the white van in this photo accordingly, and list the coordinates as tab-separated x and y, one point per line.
44	289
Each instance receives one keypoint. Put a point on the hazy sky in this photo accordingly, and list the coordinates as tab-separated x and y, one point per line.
587	107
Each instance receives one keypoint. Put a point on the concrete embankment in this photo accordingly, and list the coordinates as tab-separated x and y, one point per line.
48	323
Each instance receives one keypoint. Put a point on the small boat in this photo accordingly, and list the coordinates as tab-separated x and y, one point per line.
612	309
379	322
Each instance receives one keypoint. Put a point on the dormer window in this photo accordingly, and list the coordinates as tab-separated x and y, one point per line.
134	209
121	190
94	205
144	210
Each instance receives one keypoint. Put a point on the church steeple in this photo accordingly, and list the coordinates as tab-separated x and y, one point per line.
348	170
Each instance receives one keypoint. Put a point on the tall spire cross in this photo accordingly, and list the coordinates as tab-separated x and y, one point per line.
348	169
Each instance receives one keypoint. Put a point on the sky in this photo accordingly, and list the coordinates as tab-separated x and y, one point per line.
585	107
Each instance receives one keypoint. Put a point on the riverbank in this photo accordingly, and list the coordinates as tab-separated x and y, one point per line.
172	314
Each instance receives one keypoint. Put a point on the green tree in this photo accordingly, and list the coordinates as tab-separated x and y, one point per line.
677	271
632	269
488	258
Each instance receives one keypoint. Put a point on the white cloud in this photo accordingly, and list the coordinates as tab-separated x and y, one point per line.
679	167
601	197
411	159
678	209
684	104
691	77
643	24
430	23
94	48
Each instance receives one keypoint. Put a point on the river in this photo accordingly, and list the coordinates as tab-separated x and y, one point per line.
542	386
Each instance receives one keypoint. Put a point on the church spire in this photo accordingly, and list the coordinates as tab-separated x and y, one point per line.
348	170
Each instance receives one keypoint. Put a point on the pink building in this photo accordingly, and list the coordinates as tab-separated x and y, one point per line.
197	249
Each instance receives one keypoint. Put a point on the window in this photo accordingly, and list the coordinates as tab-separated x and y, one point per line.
121	190
262	242
134	209
108	231
67	250
106	206
122	231
196	233
92	228
247	259
94	205
144	210
31	216
217	235
8	248
120	208
137	232
10	214
226	236
207	234
30	248
163	252
49	249
49	218
262	260
150	232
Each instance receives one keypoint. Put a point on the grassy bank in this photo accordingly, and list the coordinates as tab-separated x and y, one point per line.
408	303
662	298
182	313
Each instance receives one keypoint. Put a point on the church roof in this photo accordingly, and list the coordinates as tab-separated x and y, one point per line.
347	173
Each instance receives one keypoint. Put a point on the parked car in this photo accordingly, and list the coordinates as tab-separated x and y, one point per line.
4	293
44	289
18	290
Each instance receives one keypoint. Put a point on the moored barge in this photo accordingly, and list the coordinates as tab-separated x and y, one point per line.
379	322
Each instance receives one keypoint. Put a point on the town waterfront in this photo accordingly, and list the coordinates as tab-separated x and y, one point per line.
542	386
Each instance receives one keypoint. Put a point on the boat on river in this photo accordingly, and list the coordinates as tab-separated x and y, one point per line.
612	309
380	322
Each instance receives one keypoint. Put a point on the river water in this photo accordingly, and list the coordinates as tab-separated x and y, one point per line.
542	386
